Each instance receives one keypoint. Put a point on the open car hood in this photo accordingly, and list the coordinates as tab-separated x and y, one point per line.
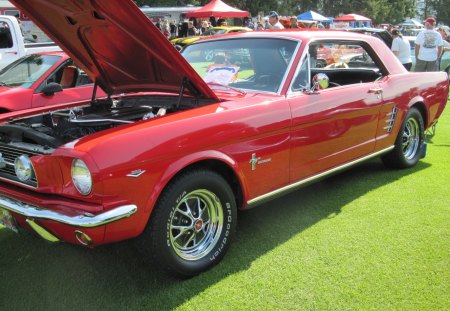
117	45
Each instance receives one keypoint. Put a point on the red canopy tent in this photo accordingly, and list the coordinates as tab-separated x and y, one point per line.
217	8
352	18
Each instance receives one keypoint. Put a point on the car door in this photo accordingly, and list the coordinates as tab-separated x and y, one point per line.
335	125
9	45
79	88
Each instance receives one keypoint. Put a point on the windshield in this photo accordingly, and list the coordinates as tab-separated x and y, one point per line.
258	64
27	70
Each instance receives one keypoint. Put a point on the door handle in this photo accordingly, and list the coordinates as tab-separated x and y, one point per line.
376	90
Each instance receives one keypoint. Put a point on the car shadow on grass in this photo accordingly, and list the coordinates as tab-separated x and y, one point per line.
62	276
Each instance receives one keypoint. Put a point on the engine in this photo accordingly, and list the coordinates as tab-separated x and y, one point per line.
43	133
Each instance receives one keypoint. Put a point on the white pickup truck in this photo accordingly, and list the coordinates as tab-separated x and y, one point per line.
13	45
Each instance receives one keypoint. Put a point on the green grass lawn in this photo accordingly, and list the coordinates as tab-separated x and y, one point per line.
367	239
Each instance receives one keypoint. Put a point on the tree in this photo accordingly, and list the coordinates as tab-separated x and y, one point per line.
439	9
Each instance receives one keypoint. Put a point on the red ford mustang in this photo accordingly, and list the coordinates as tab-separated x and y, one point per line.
42	79
183	141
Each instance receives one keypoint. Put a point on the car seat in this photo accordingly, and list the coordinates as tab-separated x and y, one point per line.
69	77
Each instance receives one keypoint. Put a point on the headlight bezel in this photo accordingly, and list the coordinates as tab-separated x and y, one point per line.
23	168
81	177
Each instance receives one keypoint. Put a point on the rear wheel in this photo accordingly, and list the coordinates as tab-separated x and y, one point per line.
409	142
192	224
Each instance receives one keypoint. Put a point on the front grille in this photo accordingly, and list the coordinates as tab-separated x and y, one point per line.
7	158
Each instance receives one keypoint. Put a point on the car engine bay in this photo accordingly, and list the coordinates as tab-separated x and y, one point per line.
43	133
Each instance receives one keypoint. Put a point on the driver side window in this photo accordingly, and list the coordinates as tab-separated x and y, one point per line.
301	82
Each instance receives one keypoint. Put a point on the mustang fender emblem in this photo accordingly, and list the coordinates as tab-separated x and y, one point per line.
257	160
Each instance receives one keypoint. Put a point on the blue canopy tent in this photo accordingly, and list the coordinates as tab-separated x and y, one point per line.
313	16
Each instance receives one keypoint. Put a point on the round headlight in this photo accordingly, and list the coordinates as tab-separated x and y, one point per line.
81	177
23	167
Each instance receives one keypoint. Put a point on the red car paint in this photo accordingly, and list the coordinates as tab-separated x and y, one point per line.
20	97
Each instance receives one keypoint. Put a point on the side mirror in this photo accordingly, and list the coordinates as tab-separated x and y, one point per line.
51	88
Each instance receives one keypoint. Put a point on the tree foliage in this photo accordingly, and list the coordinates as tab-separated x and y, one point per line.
440	9
380	11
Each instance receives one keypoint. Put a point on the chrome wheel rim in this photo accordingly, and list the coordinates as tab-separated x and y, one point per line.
196	224
411	138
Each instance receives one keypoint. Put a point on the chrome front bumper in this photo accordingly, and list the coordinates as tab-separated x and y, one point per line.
87	220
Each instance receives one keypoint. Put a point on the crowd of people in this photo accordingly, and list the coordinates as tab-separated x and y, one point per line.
429	46
194	28
430	43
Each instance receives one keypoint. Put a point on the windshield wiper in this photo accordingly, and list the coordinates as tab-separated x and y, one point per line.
226	87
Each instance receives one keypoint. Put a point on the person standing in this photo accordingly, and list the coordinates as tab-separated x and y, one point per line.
204	28
401	49
191	30
428	47
445	34
294	22
274	21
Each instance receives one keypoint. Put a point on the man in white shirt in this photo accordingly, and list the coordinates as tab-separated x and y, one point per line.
274	22
428	47
401	49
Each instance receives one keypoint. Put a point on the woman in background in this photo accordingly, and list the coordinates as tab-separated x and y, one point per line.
401	48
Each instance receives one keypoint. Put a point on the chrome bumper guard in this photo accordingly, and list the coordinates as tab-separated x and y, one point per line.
85	221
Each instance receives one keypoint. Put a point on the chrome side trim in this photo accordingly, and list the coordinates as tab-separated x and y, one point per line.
391	119
41	231
85	221
136	173
303	182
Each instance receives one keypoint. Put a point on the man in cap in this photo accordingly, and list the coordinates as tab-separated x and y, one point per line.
428	47
274	21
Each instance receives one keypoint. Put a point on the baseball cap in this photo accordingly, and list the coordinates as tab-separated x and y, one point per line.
430	20
273	14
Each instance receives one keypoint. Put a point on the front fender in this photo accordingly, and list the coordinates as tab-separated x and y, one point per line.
181	164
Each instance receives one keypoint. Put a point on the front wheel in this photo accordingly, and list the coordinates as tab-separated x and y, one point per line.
192	224
409	142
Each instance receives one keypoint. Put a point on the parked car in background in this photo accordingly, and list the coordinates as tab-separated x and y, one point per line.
183	141
43	79
383	34
13	45
210	32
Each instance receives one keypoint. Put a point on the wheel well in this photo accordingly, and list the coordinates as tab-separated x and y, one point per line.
423	111
222	169
3	110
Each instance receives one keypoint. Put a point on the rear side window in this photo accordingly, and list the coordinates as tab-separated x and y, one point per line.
343	62
5	36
